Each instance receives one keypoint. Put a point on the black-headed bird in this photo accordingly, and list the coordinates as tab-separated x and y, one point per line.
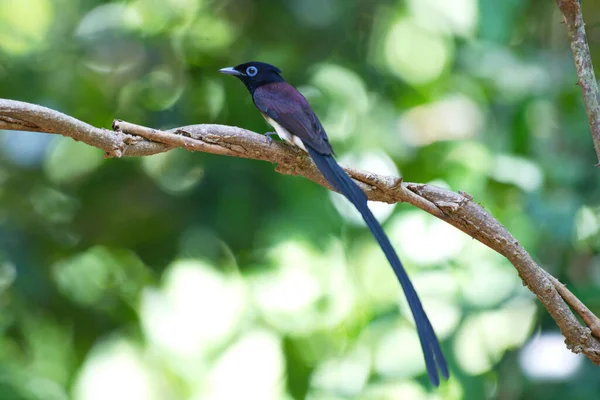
288	111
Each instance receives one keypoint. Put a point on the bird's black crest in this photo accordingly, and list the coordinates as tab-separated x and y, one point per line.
261	66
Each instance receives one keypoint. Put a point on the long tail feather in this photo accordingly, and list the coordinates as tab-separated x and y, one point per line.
338	178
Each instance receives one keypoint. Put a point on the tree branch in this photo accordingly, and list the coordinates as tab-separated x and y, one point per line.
571	11
457	209
20	116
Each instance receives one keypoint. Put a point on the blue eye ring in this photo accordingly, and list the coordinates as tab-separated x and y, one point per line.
251	71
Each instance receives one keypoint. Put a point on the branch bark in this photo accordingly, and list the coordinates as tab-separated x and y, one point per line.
457	209
571	11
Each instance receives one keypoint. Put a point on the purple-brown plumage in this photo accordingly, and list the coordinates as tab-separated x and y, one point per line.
285	105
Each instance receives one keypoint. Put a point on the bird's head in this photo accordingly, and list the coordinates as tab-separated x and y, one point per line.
254	74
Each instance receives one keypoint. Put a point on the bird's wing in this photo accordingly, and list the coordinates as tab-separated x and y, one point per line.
281	102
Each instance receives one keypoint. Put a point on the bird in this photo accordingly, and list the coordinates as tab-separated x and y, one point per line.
295	122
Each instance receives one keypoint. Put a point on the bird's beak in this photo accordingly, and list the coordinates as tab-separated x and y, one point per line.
230	71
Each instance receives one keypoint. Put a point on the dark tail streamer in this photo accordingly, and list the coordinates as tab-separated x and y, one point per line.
337	177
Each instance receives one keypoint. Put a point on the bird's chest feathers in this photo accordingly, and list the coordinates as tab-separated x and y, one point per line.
284	134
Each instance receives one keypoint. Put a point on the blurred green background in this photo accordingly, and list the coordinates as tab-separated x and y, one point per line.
192	276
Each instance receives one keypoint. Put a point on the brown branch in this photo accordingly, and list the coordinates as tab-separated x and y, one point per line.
457	209
571	11
20	116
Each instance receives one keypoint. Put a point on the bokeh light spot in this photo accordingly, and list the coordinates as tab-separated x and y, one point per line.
415	231
173	171
208	34
399	343
69	160
197	308
483	338
452	118
255	363
342	93
25	25
115	370
457	16
486	278
518	171
547	358
345	376
106	39
26	149
586	223
414	54
307	291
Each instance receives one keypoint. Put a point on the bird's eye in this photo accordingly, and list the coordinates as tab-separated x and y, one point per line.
251	71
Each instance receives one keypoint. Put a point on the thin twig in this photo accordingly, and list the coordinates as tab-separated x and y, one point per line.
588	317
571	11
457	209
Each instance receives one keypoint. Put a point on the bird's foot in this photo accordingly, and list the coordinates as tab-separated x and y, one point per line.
269	138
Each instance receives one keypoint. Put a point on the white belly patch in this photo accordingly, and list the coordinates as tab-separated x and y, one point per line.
284	134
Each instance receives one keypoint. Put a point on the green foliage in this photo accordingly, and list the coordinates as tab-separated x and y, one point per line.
193	276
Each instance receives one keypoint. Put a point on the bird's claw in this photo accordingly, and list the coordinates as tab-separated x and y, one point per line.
269	138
